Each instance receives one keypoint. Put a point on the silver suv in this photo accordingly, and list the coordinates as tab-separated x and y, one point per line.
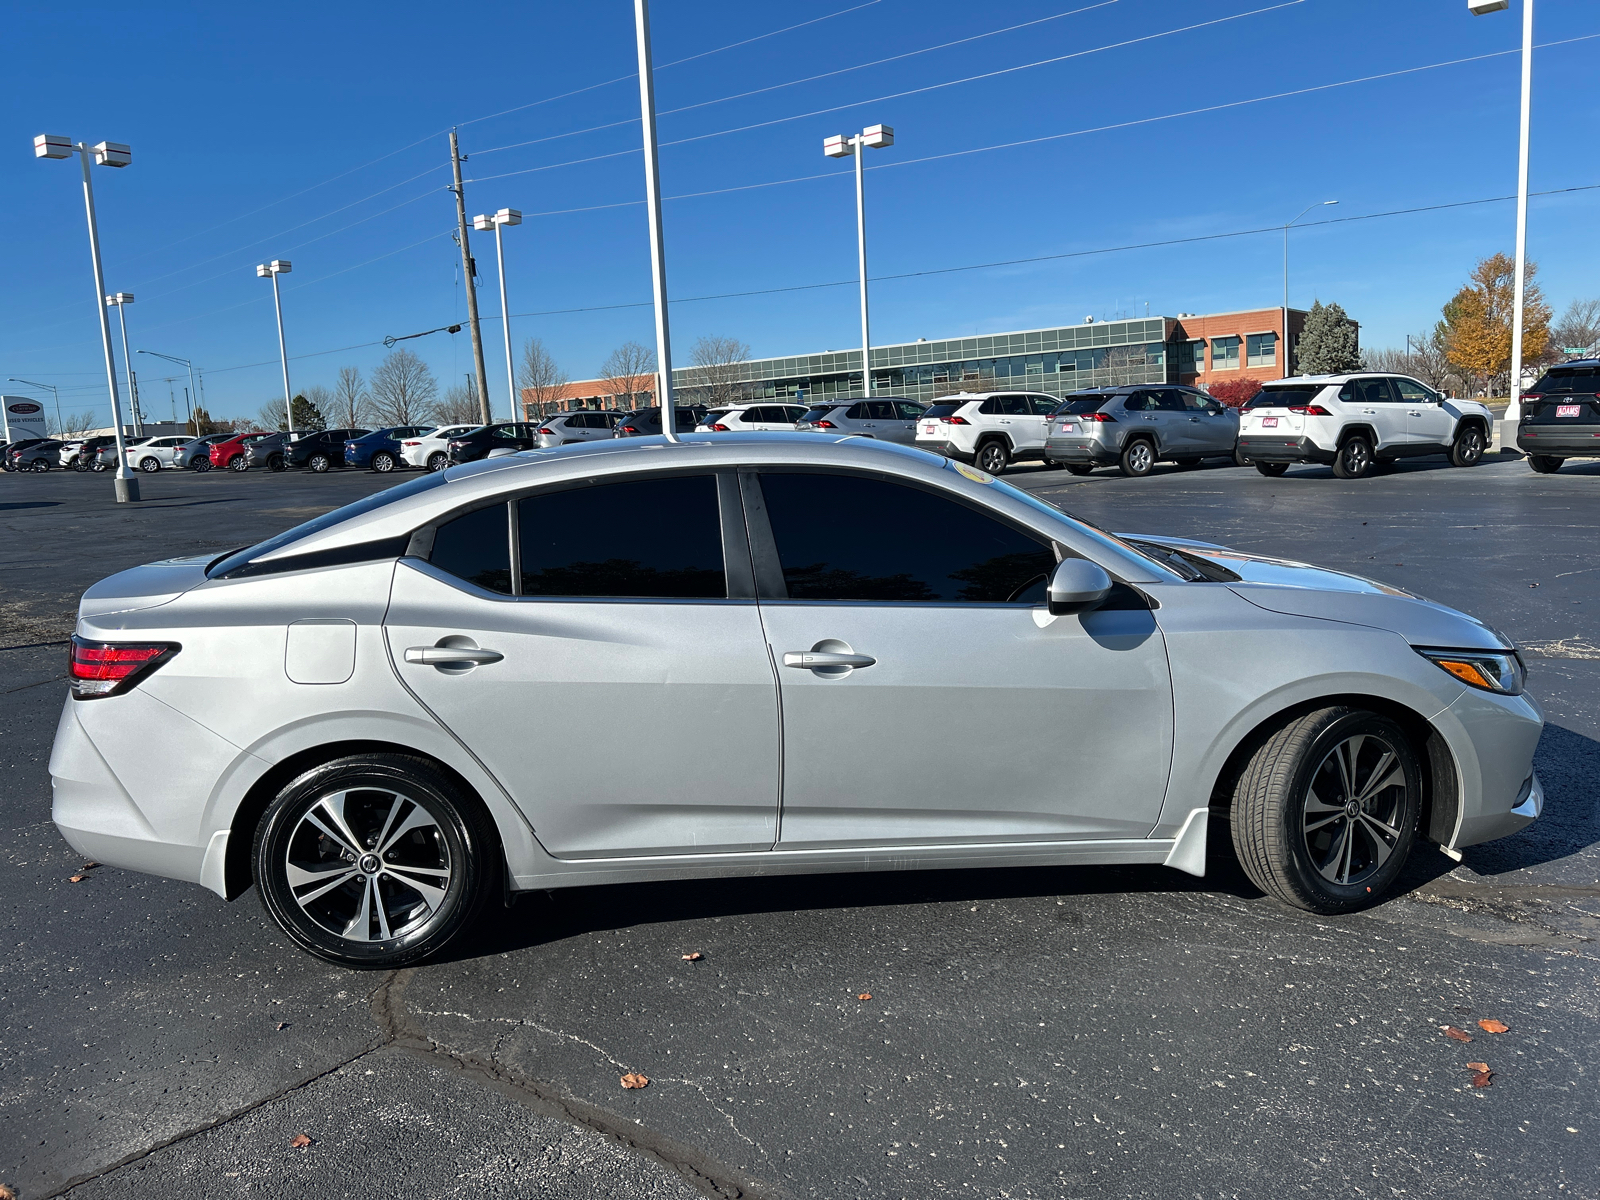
1137	427
563	429
886	420
990	429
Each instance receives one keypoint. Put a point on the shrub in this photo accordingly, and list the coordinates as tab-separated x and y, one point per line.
1235	393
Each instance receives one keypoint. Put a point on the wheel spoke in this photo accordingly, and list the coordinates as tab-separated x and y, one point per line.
383	915
417	818
1333	816
394	808
299	877
360	927
1382	826
432	894
1329	868
330	830
1394	774
1380	847
1343	875
1349	754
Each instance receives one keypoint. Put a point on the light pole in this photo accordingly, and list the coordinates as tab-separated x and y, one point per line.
106	154
271	270
652	203
1319	204
1478	8
842	146
117	302
59	426
191	394
497	222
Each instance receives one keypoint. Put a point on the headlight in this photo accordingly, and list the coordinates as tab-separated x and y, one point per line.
1493	671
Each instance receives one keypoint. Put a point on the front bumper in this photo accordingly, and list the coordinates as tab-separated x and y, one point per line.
1560	441
1262	448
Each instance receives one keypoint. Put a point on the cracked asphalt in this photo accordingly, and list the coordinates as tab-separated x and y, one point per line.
1043	1033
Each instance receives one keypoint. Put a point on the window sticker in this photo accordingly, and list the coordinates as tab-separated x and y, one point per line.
971	473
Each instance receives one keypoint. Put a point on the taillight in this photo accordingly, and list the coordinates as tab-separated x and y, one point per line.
402	443
956	420
1102	418
629	429
547	433
111	668
826	425
1310	410
1533	395
720	428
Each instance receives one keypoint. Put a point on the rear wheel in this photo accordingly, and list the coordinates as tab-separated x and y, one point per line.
437	461
1272	469
319	463
1354	458
1080	468
993	456
1545	464
80	463
39	465
1138	458
148	464
1326	811
1467	451
375	860
383	462
276	463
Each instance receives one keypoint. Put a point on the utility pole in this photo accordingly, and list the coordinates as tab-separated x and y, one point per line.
469	269
652	201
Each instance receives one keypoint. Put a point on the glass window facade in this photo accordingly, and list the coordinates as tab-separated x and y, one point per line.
1261	349
1225	354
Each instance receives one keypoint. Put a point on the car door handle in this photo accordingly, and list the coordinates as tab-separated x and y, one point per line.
1413	412
1148	417
812	659
1369	412
1194	420
436	656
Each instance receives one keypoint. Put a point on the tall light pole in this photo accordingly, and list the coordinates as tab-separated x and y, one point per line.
842	146
106	154
1319	204
497	222
60	426
117	302
1508	425
191	394
652	203
271	270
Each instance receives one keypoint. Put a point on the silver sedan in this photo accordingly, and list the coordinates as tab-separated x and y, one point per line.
959	675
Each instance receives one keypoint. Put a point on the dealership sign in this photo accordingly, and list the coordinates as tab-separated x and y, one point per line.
24	418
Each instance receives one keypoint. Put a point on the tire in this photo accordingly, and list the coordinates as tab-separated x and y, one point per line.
383	462
1307	838
1272	469
148	464
994	456
39	465
319	463
238	463
99	467
276	462
1187	461
1080	468
438	461
80	463
1354	458
201	464
1138	458
1467	450
391	913
1545	464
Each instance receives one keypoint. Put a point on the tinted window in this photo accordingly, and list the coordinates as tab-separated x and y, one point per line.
1083	404
880	410
1195	402
909	412
1169	401
898	544
1569	379
1373	391
647	538
942	410
477	548
1140	402
817	414
1042	406
857	412
1283	397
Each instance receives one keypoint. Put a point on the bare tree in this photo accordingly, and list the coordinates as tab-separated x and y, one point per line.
403	389
460	405
540	379
629	370
320	398
270	415
1423	358
714	378
74	424
1579	327
350	406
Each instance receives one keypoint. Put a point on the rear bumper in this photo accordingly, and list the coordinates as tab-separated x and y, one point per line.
1260	448
1560	441
1079	450
947	449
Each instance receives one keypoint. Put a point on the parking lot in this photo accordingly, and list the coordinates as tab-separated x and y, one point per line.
1024	1033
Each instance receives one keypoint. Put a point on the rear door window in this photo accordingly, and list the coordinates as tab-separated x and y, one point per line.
477	548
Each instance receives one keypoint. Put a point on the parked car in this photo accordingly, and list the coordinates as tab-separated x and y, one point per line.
1136	427
744	418
33	454
989	429
1561	416
645	422
319	450
885	420
146	453
1358	421
564	429
1338	723
431	450
195	454
80	453
380	449
272	451
486	439
230	452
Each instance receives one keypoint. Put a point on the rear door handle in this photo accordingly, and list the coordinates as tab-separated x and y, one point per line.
435	656
1148	417
812	659
1194	420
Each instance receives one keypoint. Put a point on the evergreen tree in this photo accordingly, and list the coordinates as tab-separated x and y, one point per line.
307	415
1329	344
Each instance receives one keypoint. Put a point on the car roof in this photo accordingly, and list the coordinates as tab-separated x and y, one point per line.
1573	362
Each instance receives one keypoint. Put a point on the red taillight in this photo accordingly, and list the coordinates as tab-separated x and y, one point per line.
956	420
108	668
411	443
629	429
547	432
1310	410
1102	418
720	428
1533	395
826	425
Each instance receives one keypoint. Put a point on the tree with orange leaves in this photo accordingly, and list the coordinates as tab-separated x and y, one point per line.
1476	329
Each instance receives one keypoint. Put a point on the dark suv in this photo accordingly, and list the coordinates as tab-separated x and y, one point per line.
646	422
1561	416
507	435
321	450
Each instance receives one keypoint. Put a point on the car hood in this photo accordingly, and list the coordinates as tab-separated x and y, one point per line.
148	586
1301	590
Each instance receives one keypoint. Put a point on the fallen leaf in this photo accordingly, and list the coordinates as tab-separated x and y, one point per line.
1482	1078
1477	1066
77	879
282	1025
864	996
633	1080
1460	1035
299	1142
90	865
7	1193
693	956
1490	1025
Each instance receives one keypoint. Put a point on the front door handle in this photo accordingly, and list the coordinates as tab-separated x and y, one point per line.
810	660
450	656
1194	420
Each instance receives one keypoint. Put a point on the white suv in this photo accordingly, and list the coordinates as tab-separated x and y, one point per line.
991	430
743	417
1354	422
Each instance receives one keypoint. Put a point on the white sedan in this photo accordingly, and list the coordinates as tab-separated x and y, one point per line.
147	454
432	450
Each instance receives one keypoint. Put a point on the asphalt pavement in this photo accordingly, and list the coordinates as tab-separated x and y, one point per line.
1091	1032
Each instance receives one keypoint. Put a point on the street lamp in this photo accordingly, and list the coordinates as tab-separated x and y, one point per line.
842	146
1478	8
271	270
652	205
118	302
193	396
106	154
60	426
1308	208
497	222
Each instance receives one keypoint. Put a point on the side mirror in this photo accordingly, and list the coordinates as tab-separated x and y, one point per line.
1077	585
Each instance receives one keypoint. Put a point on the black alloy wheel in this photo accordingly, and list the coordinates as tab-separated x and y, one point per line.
39	465
276	462
1080	468
200	464
1545	464
1138	458
1272	469
1467	451
1354	458
993	456
319	463
383	462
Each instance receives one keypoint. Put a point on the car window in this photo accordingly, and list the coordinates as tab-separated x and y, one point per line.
816	414
1196	402
1079	405
477	548
1412	392
504	433
942	409
881	410
638	539
793	412
1569	379
1373	391
1140	402
1168	400
909	411
1283	397
900	544
1042	406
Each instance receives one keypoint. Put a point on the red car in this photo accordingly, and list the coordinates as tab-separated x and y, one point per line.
230	453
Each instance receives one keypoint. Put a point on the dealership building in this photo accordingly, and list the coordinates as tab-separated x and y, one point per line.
1187	348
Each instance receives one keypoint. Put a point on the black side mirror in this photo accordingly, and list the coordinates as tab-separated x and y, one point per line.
1077	585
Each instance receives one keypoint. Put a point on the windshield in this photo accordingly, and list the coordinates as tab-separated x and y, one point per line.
288	537
1283	397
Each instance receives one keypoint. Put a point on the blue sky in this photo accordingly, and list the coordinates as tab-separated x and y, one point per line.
317	133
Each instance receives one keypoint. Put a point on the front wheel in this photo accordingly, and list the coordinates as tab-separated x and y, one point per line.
1326	811
1354	458
383	462
375	860
1545	464
276	463
1467	451
148	464
1080	468
993	457
438	461
1272	469
1138	458
319	463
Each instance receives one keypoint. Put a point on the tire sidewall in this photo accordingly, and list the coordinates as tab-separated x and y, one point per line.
1460	455
998	449
438	461
319	463
1341	466
1128	458
383	462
